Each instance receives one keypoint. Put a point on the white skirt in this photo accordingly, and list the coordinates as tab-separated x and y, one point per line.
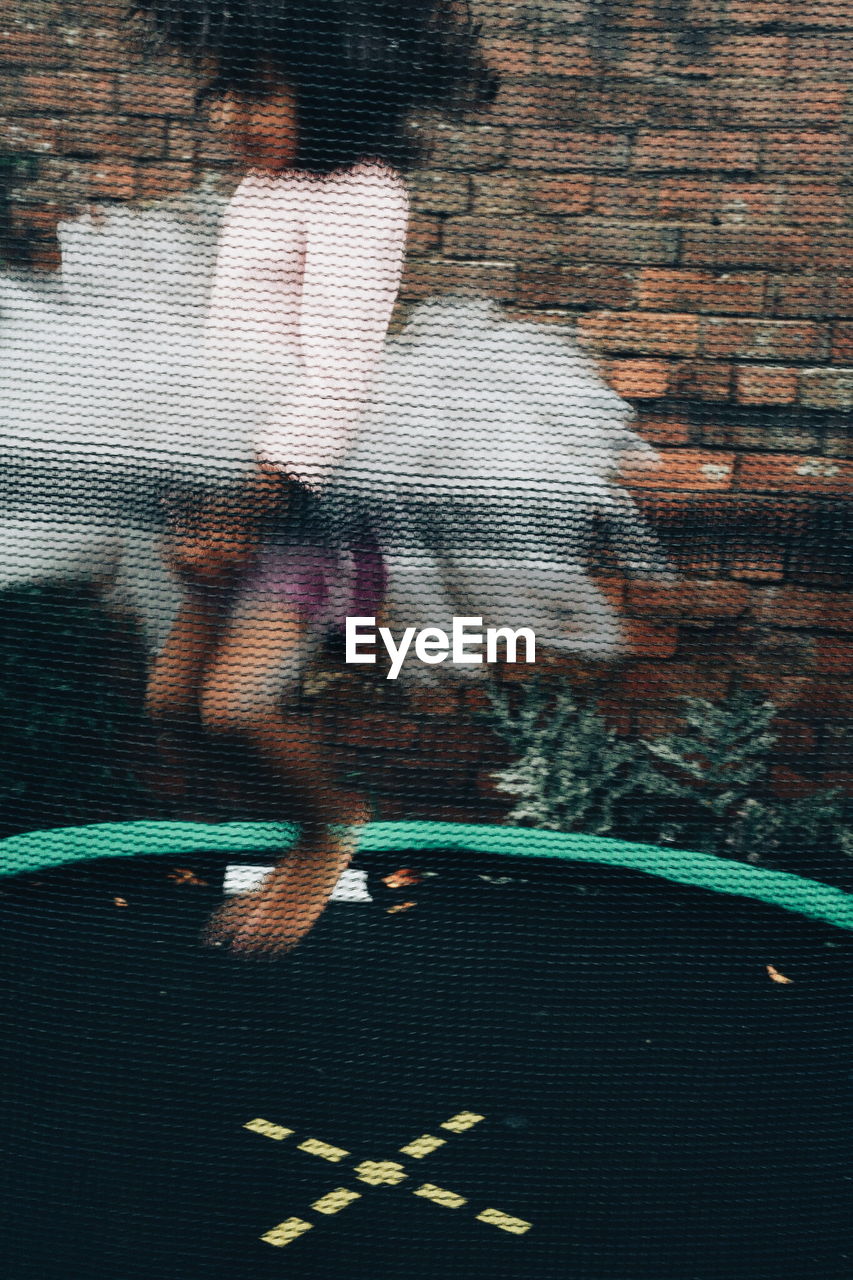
487	459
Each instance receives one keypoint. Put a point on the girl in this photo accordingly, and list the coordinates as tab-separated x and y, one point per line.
461	469
316	97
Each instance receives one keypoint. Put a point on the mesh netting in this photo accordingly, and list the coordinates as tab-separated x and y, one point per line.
425	491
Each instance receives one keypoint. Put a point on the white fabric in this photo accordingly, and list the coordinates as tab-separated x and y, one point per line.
485	450
311	267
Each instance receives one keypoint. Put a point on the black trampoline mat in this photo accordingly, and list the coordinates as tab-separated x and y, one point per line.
655	1101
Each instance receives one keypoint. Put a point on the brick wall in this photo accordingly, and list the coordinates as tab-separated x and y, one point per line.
668	176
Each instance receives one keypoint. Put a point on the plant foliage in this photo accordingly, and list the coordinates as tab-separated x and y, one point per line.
703	787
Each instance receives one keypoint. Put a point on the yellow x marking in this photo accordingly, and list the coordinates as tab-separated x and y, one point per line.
379	1173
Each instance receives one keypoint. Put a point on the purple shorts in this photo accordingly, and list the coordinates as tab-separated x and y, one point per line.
324	585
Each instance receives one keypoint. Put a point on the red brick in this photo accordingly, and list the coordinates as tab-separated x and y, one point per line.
112	136
698	598
157	181
822	13
30	134
803	151
818	55
584	284
87	91
827	388
648	682
618	715
783	691
96	49
645	640
786	784
166	93
374	727
842	342
41	221
794	736
755	564
29	48
522	237
433	191
613	240
701	380
691	470
833	248
613	587
696	149
114	181
674	103
546	101
820	202
782	473
802	295
635	54
423	234
750	203
634	331
691	289
471	147
837	446
626	197
443	701
834	656
766	385
827	699
844	295
661	428
423	277
566	194
688	199
786	249
638	379
800	607
694	560
519	15
555	318
507	193
475	699
752	55
181	140
563	150
510	56
569	57
747	102
764	339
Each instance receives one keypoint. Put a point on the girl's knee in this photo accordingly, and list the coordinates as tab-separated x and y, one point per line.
235	710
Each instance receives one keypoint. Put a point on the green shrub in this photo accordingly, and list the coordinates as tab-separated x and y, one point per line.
703	787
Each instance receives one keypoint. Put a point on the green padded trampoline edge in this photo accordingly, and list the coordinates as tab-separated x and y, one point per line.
40	850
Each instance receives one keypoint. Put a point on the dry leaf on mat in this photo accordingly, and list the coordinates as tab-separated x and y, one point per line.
184	875
776	976
403	878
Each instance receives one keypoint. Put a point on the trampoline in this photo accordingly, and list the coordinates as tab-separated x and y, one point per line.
525	317
536	1062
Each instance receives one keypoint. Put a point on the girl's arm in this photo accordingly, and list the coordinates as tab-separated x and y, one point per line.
354	250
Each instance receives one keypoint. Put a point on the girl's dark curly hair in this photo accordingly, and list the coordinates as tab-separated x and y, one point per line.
358	68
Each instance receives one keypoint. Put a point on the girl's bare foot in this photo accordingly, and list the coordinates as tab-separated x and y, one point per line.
277	917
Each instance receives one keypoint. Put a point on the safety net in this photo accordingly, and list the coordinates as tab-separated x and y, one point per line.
425	839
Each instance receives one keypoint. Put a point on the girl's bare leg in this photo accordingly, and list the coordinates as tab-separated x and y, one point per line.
241	695
176	675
